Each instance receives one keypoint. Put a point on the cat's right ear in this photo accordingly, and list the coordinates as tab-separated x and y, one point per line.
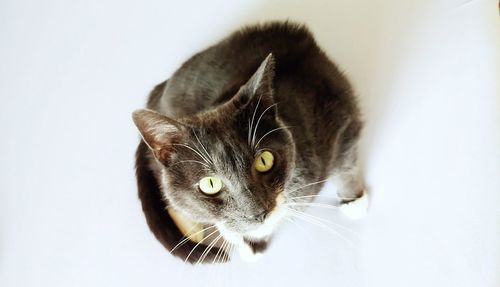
158	132
260	86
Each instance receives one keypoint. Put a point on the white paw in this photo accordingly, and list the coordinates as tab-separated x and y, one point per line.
356	209
247	254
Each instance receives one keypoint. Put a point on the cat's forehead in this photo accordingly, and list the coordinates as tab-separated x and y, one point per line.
230	154
227	159
226	150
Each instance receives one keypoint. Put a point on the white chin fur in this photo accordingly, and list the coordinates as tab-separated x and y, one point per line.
244	250
261	233
356	209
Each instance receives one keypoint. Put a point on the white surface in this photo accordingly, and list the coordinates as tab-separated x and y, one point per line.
427	73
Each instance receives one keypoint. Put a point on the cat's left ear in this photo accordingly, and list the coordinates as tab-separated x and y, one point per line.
158	132
260	86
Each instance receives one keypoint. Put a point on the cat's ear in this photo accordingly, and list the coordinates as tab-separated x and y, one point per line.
260	85
158	132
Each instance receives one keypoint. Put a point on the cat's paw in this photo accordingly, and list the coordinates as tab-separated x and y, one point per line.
356	209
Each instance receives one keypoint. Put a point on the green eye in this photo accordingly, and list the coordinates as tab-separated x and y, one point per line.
210	185
264	161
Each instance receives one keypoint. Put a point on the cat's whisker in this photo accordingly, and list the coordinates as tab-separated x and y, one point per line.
203	253
314	196
323	196
249	131
231	251
218	252
258	121
309	184
182	242
269	132
195	151
326	221
225	249
195	161
226	254
322	225
216	242
192	250
313	204
203	147
300	227
253	118
208	248
221	249
218	256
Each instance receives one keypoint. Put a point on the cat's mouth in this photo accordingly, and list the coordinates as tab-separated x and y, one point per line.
264	231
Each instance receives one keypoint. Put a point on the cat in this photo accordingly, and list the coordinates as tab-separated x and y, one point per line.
240	132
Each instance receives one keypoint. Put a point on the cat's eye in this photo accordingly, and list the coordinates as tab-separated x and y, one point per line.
210	185
264	161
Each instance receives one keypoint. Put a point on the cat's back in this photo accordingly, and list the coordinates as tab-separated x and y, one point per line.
215	74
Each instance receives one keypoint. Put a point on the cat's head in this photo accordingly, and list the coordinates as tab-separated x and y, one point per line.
227	166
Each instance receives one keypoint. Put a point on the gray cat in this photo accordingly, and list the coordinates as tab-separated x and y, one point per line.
241	132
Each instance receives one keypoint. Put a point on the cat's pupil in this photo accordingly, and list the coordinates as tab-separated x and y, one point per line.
262	160
211	183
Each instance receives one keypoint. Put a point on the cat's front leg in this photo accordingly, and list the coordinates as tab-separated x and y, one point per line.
351	188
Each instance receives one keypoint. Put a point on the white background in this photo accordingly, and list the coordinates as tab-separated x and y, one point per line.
427	74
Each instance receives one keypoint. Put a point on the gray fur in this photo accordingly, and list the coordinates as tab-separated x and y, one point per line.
209	104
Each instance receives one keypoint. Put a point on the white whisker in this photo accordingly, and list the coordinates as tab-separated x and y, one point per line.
225	251
204	250
208	248
189	237
313	204
323	196
253	117
317	195
309	184
230	253
203	147
258	121
322	225
225	254
300	227
195	161
195	151
273	130
326	221
192	250
220	251
249	131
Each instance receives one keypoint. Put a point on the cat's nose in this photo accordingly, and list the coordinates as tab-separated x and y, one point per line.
261	216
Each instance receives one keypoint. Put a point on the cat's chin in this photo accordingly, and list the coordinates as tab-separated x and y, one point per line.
251	245
259	234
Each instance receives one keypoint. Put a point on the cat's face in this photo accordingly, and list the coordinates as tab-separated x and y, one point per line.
227	166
